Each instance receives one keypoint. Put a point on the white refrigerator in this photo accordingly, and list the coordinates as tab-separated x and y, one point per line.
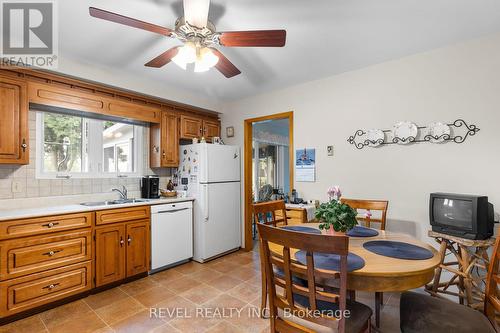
211	174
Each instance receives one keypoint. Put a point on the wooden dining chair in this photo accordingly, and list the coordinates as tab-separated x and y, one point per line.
306	307
372	205
265	212
424	313
369	205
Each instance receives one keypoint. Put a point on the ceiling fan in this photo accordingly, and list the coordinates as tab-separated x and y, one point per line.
199	37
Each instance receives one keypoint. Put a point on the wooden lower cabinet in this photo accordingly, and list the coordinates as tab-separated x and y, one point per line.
110	254
30	255
110	216
138	248
48	259
44	225
122	250
27	292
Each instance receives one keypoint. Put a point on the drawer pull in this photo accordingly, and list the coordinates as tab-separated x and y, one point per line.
51	286
50	224
51	253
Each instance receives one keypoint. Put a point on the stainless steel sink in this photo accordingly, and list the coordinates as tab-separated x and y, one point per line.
113	202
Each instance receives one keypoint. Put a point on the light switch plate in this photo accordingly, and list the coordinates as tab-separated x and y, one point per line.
329	150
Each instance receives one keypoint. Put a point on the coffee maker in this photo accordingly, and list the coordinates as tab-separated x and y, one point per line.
150	187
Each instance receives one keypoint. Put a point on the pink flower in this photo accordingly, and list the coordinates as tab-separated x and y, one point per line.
334	193
368	214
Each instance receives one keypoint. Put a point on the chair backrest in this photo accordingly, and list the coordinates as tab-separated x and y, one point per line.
491	299
376	205
265	212
309	243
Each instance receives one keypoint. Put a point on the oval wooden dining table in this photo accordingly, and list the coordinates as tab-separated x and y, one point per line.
380	273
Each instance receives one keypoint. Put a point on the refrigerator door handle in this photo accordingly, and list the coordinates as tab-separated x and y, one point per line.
205	194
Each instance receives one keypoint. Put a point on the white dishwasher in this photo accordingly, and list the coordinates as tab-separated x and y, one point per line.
171	234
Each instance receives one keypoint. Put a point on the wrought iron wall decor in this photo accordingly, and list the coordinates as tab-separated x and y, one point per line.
458	132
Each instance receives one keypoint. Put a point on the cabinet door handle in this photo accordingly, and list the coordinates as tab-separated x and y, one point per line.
51	286
51	253
129	239
50	224
24	145
121	241
164	154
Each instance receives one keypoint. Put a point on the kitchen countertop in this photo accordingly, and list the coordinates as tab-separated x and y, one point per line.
76	208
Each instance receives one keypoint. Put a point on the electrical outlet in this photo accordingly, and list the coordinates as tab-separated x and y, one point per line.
16	186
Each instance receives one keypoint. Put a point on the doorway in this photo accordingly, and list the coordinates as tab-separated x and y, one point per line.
268	163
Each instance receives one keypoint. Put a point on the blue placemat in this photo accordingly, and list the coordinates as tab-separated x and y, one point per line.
299	228
398	250
331	261
359	231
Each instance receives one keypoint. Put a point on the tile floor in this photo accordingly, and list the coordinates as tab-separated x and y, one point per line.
186	295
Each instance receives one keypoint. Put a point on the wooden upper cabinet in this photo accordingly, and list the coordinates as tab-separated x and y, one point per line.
191	127
110	254
164	141
197	127
211	128
74	99
170	139
138	248
13	122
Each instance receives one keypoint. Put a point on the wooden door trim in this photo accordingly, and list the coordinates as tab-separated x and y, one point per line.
248	167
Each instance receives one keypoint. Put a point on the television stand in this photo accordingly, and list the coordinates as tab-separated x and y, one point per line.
468	271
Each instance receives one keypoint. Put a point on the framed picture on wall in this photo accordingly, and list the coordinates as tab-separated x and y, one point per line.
230	131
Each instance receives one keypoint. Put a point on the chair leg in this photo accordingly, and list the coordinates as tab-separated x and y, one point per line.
378	304
352	295
264	295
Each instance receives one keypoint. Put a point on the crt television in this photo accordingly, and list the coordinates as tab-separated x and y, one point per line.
466	216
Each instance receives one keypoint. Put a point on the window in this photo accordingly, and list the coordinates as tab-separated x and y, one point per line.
71	146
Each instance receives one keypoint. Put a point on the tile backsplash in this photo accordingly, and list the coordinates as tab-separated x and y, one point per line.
20	181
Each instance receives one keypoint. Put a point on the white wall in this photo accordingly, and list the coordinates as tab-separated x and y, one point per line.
459	81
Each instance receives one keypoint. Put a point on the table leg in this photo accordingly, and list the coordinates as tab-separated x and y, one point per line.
465	269
378	305
437	273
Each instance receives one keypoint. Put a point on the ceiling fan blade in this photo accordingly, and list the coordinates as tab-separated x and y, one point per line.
266	38
225	66
196	12
163	58
117	18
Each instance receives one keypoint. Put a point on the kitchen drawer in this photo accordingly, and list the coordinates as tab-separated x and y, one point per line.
122	215
36	254
30	291
43	225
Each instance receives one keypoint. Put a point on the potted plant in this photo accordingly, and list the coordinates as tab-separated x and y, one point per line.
334	216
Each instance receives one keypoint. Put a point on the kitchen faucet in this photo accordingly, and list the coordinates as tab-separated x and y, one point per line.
123	192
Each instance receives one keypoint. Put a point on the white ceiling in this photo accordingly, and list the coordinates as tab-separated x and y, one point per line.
324	38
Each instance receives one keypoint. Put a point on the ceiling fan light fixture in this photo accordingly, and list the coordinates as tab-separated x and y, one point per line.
185	55
206	60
